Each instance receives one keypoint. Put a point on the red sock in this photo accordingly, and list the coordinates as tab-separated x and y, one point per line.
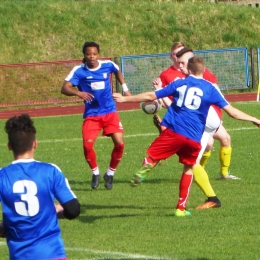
184	190
116	156
90	154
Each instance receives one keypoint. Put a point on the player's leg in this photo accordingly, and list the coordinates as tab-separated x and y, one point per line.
114	129
164	146
201	177
157	122
207	152
188	155
90	130
184	191
225	153
212	124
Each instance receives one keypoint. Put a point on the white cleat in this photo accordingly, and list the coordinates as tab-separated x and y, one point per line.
228	177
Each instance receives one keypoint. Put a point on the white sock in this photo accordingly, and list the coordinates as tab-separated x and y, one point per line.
95	171
111	171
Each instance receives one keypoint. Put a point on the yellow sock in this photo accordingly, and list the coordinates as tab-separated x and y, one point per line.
202	180
224	158
204	158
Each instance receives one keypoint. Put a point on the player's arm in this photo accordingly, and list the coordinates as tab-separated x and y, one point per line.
120	78
69	210
239	115
68	89
146	96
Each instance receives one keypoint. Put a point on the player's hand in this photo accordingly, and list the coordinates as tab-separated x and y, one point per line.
118	97
257	123
85	96
157	83
59	210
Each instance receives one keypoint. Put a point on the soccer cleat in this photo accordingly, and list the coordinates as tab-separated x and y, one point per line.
108	181
140	175
209	205
182	213
228	177
95	181
157	122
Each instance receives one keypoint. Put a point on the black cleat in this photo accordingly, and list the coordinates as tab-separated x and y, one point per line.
95	181
108	181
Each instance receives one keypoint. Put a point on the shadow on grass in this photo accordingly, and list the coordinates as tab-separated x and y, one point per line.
91	218
85	185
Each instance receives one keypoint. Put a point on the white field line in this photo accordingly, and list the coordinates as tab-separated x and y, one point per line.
115	254
108	253
127	136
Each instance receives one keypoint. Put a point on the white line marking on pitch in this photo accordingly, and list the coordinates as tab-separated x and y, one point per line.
128	136
117	254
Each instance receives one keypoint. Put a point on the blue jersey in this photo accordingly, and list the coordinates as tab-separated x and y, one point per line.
97	82
188	112
28	189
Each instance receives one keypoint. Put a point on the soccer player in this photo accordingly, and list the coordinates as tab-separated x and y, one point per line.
185	122
93	82
225	150
28	189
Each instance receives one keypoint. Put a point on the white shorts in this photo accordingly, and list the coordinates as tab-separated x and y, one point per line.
212	124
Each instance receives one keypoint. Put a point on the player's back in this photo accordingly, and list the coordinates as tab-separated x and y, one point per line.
192	98
27	190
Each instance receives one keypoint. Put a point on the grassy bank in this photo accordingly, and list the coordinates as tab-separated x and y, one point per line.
33	31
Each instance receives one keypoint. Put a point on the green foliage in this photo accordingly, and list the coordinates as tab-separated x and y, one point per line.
34	31
138	223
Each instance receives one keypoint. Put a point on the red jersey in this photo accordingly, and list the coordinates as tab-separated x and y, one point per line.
169	75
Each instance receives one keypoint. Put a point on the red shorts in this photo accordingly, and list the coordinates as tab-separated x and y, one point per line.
110	124
169	143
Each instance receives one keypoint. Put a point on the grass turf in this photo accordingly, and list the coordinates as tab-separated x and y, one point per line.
138	223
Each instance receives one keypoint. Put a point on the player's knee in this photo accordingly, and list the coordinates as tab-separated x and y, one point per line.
226	140
119	147
88	146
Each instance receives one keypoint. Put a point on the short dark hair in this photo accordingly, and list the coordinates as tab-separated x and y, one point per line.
182	51
89	44
21	133
196	65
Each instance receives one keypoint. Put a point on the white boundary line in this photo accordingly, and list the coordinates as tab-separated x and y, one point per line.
129	136
117	254
108	253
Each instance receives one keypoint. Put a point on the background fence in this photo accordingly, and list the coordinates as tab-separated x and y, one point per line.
231	67
40	83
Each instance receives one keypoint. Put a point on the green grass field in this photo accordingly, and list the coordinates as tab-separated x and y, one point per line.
138	223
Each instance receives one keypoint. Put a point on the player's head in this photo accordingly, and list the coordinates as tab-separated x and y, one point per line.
91	53
21	134
196	65
183	57
176	47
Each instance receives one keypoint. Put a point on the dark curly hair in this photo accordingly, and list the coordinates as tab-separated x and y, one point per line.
21	133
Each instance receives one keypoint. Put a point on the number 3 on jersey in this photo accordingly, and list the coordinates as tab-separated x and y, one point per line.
29	204
192	100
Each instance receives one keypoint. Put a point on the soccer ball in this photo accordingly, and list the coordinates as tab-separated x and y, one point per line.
151	107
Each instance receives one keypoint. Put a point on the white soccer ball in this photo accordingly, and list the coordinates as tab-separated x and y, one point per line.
151	107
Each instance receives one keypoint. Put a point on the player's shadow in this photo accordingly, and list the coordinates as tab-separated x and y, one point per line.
85	185
91	218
